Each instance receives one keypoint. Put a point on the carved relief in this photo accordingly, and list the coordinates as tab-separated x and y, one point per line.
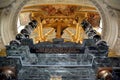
111	11
20	6
109	8
6	3
54	10
7	9
94	19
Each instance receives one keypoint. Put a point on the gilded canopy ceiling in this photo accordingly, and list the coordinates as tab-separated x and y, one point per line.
59	20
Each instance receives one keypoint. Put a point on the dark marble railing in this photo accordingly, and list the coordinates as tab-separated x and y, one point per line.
65	60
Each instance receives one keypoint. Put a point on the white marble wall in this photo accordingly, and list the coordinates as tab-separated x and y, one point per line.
1	43
117	45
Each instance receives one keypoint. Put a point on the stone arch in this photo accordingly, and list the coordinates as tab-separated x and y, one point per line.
109	20
10	14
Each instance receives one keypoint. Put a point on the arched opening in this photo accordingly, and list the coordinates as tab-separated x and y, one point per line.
12	16
60	20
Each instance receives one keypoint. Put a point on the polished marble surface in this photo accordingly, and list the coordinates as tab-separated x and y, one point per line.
37	73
